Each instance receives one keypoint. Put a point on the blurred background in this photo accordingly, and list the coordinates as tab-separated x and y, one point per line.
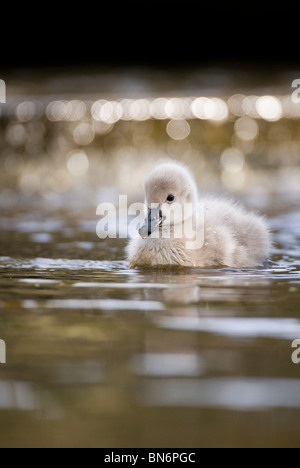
70	139
100	355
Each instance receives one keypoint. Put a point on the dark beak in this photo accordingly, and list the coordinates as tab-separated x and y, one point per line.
154	219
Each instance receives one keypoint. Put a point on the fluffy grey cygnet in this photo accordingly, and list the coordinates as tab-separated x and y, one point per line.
185	229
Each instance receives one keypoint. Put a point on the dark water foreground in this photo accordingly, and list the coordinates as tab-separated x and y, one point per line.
100	355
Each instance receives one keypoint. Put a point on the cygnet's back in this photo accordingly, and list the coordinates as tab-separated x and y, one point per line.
187	230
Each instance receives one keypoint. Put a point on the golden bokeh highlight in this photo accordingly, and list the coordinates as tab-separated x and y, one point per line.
52	145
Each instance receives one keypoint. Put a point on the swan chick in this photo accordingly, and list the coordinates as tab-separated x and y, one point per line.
188	230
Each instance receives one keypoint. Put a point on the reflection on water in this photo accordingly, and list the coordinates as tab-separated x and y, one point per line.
101	355
112	356
159	364
232	394
240	327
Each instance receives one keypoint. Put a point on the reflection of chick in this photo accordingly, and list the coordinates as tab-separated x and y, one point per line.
180	295
187	230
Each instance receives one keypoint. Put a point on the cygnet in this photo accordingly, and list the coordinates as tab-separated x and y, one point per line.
188	230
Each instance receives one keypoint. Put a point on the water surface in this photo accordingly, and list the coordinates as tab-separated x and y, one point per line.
98	354
101	355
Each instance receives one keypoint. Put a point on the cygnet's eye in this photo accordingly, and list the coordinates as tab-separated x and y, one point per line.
170	198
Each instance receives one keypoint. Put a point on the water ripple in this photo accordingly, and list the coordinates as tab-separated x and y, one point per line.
280	328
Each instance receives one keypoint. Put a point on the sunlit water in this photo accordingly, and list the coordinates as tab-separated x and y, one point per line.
101	355
98	354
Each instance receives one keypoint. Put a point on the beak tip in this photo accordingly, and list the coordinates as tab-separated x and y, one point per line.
153	220
143	231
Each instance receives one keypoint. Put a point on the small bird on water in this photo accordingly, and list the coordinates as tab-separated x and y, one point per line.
188	230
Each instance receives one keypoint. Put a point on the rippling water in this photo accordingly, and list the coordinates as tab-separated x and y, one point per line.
101	355
98	354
